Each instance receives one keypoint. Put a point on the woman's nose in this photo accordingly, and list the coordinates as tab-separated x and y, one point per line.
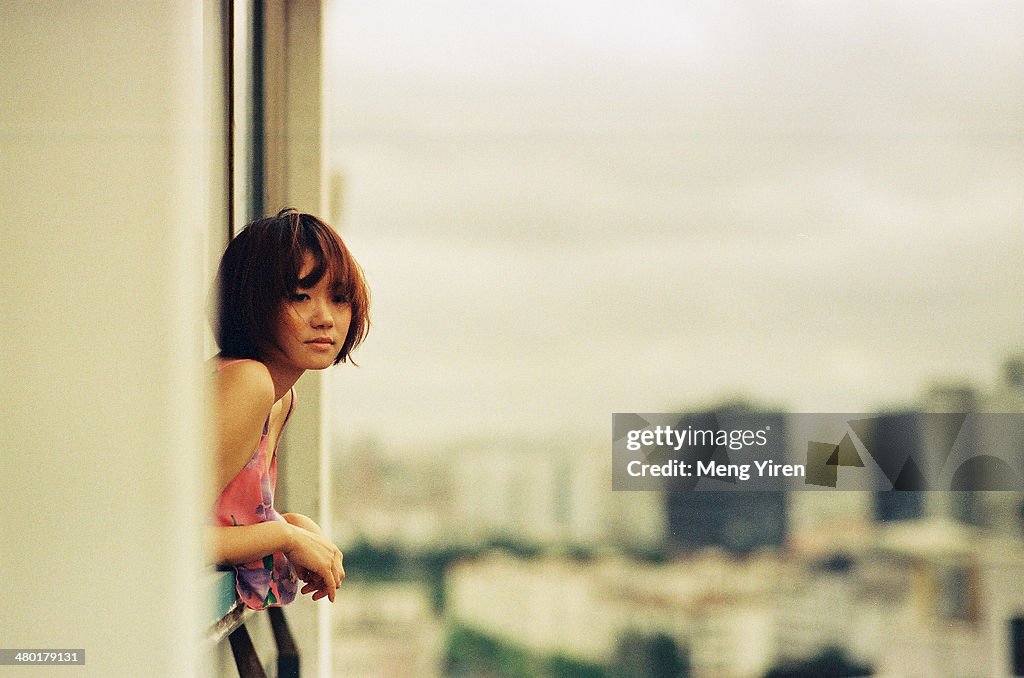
321	315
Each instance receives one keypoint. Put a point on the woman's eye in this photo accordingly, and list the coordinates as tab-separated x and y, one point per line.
299	296
341	299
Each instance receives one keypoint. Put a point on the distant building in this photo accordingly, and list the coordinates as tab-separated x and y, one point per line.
897	436
717	610
1004	511
963	506
739	522
530	493
911	598
959	607
1008	396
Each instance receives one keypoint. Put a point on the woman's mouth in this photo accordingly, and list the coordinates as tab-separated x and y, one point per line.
321	344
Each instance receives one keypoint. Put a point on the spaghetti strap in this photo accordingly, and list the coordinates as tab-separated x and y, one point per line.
232	361
287	416
291	406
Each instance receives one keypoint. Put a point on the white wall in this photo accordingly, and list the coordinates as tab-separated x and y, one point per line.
103	227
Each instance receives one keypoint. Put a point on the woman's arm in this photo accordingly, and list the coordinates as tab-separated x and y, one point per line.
318	561
246	543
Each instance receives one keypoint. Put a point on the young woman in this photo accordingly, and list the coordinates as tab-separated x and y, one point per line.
290	298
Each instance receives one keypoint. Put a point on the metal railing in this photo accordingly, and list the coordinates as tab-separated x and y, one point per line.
230	626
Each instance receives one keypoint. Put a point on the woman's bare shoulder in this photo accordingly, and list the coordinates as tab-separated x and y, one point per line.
242	399
244	382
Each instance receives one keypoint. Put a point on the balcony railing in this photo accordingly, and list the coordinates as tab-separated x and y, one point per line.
231	618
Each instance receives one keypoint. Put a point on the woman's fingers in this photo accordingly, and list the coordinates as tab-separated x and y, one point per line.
318	586
318	563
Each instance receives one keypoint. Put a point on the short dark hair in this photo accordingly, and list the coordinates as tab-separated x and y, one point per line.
260	269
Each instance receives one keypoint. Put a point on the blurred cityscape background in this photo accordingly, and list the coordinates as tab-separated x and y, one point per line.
567	210
513	557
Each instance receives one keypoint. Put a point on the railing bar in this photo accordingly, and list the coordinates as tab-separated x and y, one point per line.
287	651
227	624
246	659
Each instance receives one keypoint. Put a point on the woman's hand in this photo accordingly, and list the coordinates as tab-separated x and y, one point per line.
317	561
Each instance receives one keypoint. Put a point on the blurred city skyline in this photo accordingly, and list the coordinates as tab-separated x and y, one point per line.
569	210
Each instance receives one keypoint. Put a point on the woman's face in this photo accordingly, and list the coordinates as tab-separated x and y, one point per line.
312	324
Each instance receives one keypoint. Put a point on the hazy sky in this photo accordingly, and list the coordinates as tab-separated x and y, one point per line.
569	209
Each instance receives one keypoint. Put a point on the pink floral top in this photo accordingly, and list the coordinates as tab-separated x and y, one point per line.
248	500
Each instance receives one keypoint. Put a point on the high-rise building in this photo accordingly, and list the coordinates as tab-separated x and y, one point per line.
737	521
